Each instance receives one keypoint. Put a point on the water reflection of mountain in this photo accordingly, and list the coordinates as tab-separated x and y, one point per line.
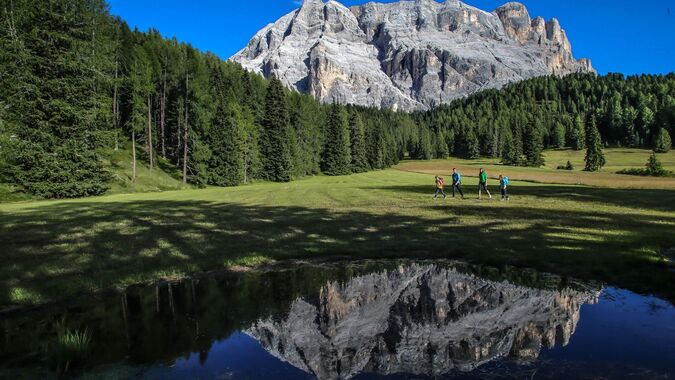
420	320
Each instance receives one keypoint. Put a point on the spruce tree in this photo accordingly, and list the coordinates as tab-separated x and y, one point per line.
510	152
663	142
53	87
336	155
595	158
226	165
534	146
558	139
440	145
471	145
274	144
578	134
357	135
423	147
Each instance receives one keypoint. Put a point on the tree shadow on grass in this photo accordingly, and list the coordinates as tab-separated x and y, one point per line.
55	251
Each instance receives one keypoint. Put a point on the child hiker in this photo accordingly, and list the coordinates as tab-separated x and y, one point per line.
504	187
440	184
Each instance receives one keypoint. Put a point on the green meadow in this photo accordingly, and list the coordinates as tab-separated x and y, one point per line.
595	226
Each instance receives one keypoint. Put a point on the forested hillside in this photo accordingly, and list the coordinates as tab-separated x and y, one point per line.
518	121
77	84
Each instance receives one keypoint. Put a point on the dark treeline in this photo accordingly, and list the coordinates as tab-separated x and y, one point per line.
517	122
77	83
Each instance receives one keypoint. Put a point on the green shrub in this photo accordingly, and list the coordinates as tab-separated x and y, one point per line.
653	168
569	166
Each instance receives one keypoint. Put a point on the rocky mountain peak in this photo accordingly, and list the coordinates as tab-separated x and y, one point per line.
409	55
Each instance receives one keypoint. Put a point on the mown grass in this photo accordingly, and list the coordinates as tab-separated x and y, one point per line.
53	250
617	159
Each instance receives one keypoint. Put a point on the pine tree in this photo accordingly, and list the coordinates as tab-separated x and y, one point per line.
510	152
655	168
423	147
471	145
578	134
534	146
663	142
357	135
595	158
141	88
52	87
226	138
440	145
274	144
336	155
558	135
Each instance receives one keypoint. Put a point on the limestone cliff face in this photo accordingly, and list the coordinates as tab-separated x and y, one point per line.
409	55
421	320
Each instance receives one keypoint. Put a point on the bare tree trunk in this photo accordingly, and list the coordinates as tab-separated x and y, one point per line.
178	134
133	155
245	165
162	113
185	132
150	152
157	298
116	107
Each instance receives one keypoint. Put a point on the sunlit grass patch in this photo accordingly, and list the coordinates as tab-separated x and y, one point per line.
63	248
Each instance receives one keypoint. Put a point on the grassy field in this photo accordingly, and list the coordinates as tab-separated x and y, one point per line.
52	250
617	159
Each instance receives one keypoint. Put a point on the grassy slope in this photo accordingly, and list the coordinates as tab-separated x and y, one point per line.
119	164
55	249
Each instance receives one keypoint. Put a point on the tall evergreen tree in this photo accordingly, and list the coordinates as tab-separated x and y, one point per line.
441	149
336	154
274	144
510	153
534	146
357	135
595	158
471	145
51	84
558	135
226	138
578	134
141	88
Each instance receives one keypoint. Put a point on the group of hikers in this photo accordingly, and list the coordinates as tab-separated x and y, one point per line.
482	185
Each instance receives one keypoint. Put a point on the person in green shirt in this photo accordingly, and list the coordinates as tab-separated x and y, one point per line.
482	184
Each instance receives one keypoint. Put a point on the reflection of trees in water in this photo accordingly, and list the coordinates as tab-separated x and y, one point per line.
419	320
147	325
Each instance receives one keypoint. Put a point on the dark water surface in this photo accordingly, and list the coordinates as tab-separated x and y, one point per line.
377	320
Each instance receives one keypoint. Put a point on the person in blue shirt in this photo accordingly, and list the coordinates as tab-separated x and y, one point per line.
504	187
456	183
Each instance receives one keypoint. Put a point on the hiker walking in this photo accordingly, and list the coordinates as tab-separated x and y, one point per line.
482	184
440	184
504	187
456	183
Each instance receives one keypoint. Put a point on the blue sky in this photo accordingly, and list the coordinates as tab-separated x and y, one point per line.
626	36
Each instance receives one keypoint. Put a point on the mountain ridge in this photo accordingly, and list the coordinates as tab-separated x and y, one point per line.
407	55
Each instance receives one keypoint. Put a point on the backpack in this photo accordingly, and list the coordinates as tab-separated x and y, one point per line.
506	181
